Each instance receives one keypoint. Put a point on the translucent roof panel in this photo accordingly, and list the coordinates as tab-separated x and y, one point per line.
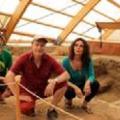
19	37
22	23
57	20
73	36
82	27
57	5
50	17
8	6
38	29
37	12
72	9
108	8
94	17
83	1
93	33
3	21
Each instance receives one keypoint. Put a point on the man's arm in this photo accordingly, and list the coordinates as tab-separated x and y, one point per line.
9	79
62	77
72	85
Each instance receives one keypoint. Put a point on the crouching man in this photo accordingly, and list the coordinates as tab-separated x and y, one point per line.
36	67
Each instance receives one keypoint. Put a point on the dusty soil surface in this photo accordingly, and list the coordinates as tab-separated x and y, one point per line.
101	111
105	106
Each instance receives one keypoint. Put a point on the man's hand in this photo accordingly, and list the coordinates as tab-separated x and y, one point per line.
78	92
50	88
87	88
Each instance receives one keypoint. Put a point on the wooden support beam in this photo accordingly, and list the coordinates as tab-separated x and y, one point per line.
108	32
114	3
76	19
15	17
108	25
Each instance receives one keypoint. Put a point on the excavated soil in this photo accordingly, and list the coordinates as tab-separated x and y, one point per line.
105	106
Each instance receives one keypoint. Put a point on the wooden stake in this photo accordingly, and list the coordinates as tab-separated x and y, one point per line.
17	101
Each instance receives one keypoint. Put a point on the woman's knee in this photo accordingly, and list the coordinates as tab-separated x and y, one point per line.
95	86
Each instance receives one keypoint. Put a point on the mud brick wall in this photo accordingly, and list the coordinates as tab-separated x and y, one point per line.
106	49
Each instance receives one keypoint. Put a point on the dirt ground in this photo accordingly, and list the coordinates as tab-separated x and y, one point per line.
105	106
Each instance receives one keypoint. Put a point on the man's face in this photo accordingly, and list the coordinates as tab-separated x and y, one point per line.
38	48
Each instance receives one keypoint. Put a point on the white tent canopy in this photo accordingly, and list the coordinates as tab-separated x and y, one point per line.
49	18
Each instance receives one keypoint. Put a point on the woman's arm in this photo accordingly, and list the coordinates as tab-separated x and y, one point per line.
91	73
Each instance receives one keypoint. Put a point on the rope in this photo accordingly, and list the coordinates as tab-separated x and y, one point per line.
67	113
4	84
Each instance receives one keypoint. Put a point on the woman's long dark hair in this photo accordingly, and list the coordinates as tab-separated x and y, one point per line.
85	58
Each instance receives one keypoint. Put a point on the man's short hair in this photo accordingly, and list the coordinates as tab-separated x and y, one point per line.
40	39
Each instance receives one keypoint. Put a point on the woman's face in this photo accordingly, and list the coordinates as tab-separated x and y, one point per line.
78	48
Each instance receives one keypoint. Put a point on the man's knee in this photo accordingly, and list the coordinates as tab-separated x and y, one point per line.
26	106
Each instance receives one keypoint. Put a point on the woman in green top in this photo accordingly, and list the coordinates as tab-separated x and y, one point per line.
5	63
82	78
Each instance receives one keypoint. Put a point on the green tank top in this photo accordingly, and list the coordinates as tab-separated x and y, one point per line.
5	61
79	77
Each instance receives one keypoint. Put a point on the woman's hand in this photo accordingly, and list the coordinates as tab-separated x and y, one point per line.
87	88
50	88
78	92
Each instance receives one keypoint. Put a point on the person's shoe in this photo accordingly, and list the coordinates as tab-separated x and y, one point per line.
52	114
68	104
87	109
30	113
